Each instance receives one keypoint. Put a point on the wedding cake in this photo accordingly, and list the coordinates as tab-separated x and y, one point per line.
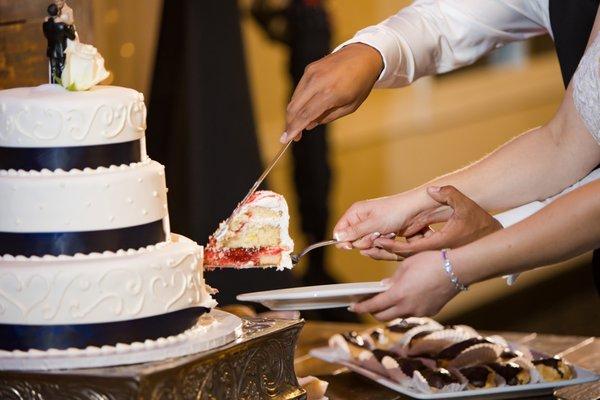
86	253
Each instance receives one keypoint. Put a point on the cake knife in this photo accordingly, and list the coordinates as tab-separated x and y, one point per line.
262	177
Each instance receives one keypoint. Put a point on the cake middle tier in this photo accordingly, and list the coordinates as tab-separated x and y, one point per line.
67	212
98	288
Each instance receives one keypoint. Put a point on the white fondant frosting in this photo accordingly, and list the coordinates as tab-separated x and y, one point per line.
88	200
51	116
98	287
103	288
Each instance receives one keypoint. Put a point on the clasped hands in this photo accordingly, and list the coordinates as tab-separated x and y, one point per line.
375	227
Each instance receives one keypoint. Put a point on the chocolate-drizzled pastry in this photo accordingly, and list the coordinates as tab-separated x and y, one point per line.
454	350
403	325
512	373
479	376
508	354
410	365
379	337
357	340
439	378
407	365
415	339
379	354
553	369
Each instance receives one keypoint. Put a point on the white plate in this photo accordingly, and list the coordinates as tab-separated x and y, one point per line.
505	392
315	297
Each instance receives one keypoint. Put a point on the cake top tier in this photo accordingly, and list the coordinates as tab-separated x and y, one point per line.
51	116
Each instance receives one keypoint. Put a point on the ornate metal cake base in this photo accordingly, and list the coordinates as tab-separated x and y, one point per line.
259	365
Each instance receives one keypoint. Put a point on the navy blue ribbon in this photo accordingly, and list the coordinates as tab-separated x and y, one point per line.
66	158
44	337
70	243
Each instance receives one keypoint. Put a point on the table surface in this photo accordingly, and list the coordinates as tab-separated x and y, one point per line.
346	385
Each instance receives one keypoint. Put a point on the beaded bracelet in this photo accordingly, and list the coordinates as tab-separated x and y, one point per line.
450	271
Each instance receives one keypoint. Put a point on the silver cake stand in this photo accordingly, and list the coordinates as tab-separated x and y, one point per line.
254	361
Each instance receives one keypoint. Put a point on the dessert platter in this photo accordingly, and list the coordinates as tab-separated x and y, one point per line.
423	359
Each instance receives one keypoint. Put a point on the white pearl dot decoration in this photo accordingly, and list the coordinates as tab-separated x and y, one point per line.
140	180
154	193
106	185
88	204
145	212
111	218
129	200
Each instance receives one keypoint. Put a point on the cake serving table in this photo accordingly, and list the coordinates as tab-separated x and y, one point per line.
257	365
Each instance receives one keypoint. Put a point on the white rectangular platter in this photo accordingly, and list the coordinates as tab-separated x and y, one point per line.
505	392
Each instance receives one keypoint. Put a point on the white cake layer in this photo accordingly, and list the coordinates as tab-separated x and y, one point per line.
88	200
51	116
103	287
250	217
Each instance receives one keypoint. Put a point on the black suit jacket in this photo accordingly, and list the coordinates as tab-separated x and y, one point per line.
57	34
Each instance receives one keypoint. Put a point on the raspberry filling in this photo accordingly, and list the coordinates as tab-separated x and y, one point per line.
240	256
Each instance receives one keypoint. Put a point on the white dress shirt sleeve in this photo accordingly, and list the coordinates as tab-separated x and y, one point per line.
436	36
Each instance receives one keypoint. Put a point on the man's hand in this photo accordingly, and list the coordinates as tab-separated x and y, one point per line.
464	220
332	87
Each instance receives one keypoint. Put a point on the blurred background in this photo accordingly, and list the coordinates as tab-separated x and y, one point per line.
236	63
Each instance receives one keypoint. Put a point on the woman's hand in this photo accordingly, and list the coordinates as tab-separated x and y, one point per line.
332	87
368	220
420	287
464	220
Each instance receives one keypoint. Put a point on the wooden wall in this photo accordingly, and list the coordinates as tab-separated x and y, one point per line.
23	59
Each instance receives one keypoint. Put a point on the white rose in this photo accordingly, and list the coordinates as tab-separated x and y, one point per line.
84	67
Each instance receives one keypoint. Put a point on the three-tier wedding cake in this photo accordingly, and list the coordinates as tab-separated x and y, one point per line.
86	254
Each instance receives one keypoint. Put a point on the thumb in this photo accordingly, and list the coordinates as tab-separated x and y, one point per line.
448	195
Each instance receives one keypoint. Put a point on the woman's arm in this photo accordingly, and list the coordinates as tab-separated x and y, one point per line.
567	227
534	166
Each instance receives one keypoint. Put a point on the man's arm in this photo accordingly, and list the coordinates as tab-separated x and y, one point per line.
425	38
432	37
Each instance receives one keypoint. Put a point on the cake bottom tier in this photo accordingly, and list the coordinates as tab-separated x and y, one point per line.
96	299
44	337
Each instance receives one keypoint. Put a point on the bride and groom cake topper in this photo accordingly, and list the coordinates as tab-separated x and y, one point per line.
58	26
72	64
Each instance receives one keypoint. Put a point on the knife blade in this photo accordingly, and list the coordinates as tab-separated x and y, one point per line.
262	177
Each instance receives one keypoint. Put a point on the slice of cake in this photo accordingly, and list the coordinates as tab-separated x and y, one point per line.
256	235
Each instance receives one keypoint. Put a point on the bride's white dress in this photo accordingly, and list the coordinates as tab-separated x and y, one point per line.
586	88
586	96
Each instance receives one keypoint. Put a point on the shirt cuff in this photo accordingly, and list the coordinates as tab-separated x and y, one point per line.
391	54
511	217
